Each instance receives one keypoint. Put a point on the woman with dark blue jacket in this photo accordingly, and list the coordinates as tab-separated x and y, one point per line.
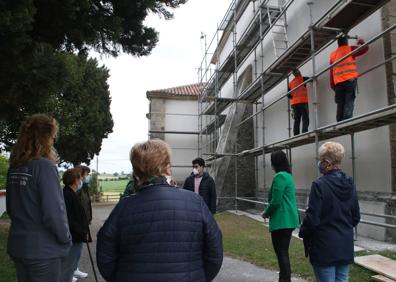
162	233
333	212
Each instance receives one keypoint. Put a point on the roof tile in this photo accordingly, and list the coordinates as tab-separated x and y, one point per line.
184	90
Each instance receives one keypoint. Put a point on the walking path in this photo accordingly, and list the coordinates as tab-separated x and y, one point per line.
233	270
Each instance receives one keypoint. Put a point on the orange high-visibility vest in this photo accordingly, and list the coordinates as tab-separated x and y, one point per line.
346	69
300	95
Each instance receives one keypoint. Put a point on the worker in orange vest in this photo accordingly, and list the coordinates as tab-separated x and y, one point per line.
299	102
343	76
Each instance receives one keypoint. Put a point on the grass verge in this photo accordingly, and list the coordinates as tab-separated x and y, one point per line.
249	240
7	268
113	186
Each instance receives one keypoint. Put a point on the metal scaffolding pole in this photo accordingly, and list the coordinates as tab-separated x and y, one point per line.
235	89
314	87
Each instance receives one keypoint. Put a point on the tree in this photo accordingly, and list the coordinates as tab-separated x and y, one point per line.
44	67
86	100
108	26
80	101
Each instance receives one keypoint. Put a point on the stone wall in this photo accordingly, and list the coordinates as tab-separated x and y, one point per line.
388	19
157	117
245	177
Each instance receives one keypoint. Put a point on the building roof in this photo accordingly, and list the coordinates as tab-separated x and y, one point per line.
191	90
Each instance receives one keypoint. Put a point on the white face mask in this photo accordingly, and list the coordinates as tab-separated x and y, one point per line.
86	179
168	179
195	171
80	185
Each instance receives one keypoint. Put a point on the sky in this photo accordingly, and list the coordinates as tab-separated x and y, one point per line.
173	62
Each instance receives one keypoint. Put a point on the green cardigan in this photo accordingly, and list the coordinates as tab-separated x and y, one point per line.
282	209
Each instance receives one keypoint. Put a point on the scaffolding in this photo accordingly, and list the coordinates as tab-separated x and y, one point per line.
269	22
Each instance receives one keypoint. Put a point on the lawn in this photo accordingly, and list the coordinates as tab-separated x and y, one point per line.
7	268
113	186
249	240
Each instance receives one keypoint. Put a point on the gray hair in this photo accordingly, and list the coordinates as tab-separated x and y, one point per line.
332	151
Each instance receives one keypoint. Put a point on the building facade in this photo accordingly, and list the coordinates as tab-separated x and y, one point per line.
173	117
260	43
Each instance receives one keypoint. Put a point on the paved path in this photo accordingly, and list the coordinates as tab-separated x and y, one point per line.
232	270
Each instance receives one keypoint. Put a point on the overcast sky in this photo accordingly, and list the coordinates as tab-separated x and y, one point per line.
173	62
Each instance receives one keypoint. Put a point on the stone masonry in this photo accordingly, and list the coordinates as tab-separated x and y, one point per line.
388	19
157	117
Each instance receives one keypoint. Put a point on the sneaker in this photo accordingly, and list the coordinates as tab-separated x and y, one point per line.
79	274
74	279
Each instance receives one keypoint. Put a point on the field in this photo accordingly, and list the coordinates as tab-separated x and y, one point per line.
113	186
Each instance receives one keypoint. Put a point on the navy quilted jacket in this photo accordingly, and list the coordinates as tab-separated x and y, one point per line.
162	234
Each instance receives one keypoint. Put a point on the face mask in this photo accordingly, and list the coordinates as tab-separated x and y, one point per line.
195	171
86	179
80	185
322	167
168	179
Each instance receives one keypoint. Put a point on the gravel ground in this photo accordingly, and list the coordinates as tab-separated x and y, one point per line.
233	270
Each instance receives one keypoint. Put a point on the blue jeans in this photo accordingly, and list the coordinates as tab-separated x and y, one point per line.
335	273
345	98
71	262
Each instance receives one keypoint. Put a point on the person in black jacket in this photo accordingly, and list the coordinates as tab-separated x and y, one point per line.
78	222
85	200
202	183
333	212
161	233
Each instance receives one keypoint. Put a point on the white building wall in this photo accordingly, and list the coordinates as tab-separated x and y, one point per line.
184	146
372	147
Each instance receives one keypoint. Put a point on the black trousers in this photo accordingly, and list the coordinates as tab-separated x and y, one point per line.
300	112
281	241
345	99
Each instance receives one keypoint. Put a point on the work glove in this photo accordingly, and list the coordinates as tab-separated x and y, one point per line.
360	41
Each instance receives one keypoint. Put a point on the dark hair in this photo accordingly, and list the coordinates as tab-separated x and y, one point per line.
198	161
296	72
84	169
280	162
70	176
342	40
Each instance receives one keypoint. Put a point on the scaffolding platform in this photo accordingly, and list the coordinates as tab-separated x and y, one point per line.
352	12
213	125
371	120
217	106
295	56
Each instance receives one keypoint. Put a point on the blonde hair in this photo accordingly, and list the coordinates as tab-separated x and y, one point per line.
35	140
149	159
332	151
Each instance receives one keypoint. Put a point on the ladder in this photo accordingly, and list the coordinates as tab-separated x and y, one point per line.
279	29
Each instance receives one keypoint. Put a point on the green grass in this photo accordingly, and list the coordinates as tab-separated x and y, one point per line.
248	240
113	186
7	268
